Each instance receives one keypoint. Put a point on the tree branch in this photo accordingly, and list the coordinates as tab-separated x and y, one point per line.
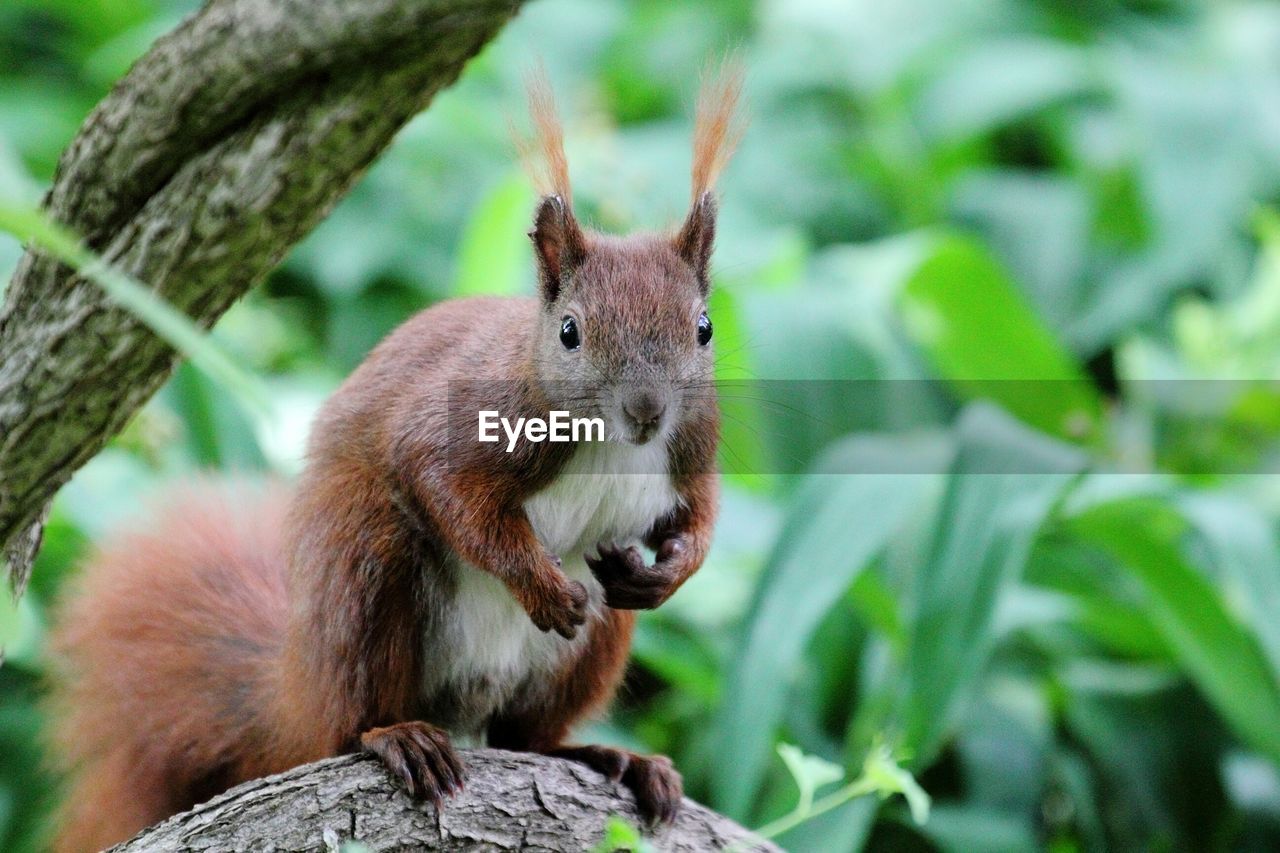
223	146
542	804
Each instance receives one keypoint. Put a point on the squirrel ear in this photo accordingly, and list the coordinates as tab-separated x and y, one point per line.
559	244
697	236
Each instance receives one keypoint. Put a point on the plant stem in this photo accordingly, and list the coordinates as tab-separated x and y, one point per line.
857	788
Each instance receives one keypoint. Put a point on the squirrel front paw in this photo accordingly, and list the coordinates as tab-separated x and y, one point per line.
561	607
420	756
629	582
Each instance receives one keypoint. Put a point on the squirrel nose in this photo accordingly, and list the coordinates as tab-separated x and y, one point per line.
644	408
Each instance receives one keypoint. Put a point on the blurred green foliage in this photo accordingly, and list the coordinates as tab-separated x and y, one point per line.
1044	224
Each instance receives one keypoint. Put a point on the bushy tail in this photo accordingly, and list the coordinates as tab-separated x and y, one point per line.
165	658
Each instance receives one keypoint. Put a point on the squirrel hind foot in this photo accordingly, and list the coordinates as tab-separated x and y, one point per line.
653	779
421	758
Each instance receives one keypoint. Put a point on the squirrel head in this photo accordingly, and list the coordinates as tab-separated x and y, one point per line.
624	332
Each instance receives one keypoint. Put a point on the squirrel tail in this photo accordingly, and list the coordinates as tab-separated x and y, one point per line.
165	659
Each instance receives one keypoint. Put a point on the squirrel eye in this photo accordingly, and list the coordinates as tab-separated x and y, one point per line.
569	334
704	329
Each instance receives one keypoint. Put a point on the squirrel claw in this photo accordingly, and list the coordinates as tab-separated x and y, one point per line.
420	756
658	788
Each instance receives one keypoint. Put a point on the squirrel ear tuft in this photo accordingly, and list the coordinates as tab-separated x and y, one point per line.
543	154
696	238
718	125
716	132
558	242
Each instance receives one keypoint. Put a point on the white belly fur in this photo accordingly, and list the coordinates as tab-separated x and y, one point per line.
606	492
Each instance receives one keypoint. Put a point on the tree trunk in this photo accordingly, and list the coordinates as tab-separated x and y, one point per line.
513	801
223	146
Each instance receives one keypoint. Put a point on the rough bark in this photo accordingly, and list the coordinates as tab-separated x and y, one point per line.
223	146
513	801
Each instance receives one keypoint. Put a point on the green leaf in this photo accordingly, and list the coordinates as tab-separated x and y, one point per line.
678	658
1219	656
218	435
494	256
889	778
1243	546
839	523
978	331
621	835
11	624
1038	226
1102	605
810	772
742	455
1002	485
959	829
881	775
999	80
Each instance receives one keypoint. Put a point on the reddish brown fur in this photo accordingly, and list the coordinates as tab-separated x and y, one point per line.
581	690
717	129
543	156
165	652
237	637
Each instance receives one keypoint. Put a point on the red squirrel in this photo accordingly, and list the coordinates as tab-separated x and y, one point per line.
416	583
